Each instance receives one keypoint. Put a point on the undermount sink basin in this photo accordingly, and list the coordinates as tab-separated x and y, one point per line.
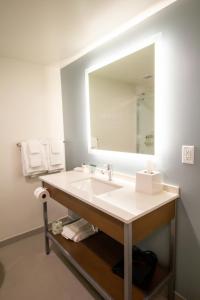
95	186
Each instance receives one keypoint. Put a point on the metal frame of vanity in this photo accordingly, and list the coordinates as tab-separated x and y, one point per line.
118	236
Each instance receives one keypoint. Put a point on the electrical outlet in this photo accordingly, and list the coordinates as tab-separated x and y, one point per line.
188	154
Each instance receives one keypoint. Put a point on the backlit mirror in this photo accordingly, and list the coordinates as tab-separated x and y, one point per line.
121	104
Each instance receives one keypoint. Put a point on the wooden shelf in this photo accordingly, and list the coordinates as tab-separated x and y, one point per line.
97	255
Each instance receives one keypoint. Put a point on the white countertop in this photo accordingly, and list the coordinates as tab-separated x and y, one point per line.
123	204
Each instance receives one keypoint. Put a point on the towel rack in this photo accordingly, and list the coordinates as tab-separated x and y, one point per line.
19	144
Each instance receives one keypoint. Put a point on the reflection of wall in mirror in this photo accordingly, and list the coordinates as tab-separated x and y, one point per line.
113	114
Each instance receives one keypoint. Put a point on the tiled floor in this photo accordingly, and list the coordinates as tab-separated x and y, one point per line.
26	273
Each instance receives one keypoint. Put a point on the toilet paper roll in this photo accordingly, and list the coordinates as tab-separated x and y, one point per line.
42	194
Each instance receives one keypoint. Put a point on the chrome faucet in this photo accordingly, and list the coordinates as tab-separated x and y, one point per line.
109	171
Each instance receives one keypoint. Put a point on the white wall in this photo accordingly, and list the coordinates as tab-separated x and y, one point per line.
113	114
30	99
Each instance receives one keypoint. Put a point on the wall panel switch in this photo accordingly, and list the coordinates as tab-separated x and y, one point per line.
188	154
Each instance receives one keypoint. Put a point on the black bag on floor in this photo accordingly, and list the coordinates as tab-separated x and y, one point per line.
144	265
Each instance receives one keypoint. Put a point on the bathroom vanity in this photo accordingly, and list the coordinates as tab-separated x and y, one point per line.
124	218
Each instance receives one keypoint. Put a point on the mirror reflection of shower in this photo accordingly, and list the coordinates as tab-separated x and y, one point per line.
145	118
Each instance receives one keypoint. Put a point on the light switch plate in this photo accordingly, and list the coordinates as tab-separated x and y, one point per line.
188	154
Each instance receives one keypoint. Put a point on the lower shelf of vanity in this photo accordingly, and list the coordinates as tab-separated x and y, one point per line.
94	258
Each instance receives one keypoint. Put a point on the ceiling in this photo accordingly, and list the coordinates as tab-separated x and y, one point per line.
49	31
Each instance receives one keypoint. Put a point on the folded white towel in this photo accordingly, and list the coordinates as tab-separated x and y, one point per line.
34	146
80	236
55	155
78	231
56	160
72	229
34	153
56	147
33	158
83	235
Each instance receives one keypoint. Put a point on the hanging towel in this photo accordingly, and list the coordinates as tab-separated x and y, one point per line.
56	147
34	146
33	158
55	155
34	153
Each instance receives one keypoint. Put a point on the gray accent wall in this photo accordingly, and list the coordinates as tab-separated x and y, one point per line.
177	123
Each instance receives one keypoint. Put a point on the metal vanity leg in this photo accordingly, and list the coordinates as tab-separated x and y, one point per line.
45	216
171	287
128	261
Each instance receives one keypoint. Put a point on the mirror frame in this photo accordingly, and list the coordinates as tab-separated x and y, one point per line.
130	50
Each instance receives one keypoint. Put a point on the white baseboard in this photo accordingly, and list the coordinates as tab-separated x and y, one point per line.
23	235
20	236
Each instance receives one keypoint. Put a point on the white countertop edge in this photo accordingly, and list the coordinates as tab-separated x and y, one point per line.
167	189
176	196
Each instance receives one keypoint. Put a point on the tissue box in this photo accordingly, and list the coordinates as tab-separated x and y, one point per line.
148	183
